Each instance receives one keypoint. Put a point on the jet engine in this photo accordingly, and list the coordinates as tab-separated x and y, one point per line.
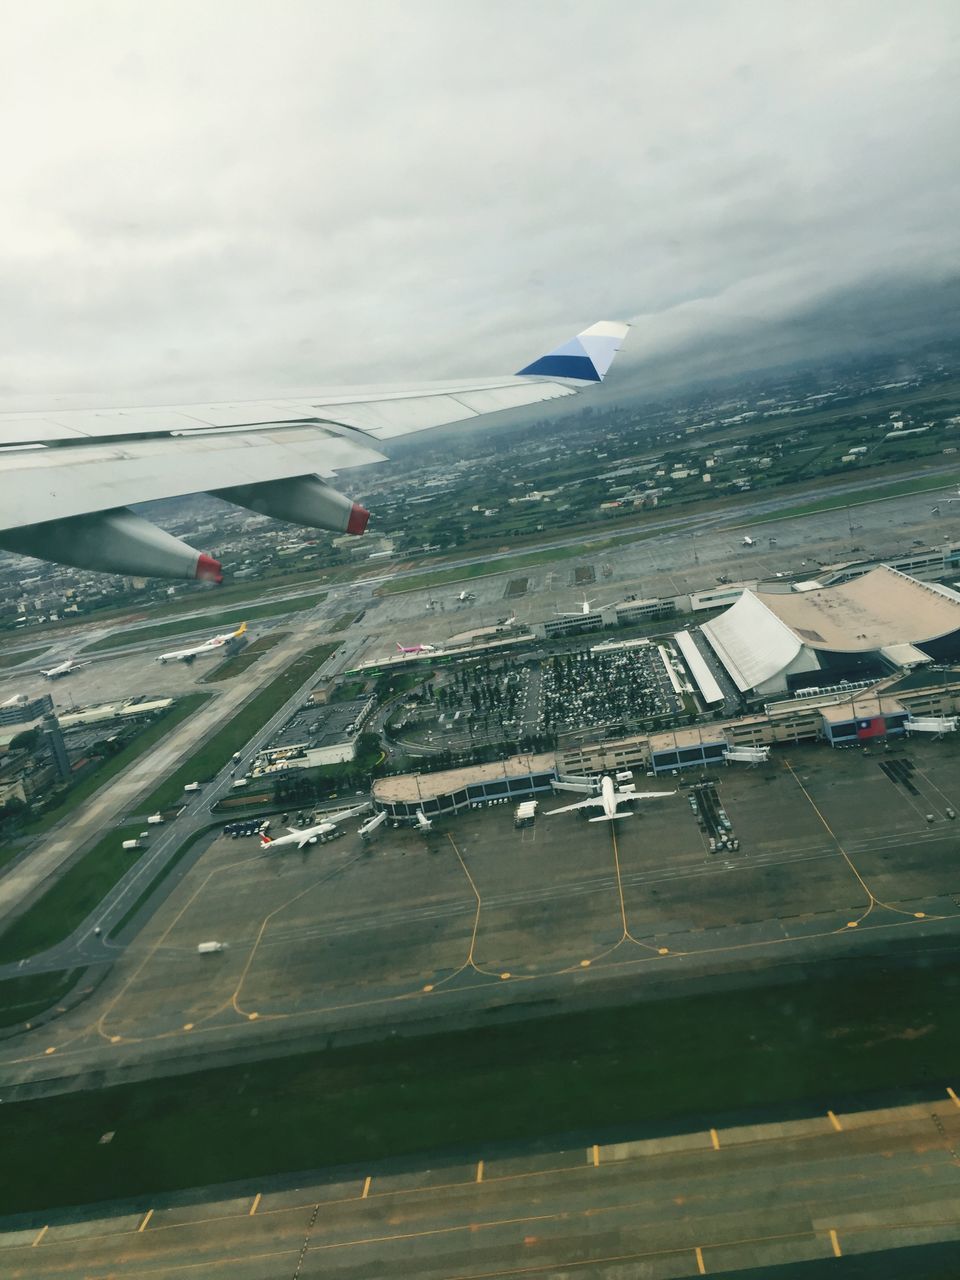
304	500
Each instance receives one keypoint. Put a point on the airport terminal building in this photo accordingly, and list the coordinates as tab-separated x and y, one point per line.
772	642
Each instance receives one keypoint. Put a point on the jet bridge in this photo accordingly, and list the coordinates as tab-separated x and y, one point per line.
746	755
932	724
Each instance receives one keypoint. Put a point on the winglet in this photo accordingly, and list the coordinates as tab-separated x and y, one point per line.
587	357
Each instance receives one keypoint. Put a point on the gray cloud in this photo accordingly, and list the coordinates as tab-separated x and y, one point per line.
230	198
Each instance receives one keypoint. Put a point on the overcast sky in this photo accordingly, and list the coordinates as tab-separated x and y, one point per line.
211	199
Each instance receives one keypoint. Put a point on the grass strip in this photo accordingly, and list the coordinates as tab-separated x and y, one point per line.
23	998
179	712
236	665
188	626
849	1030
343	621
65	906
859	498
24	655
233	736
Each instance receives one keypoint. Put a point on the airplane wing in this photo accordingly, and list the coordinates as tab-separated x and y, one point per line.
343	814
595	802
67	478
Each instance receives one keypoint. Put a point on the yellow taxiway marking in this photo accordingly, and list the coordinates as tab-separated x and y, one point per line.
51	1049
146	1218
188	1026
951	1094
596	1156
835	1122
701	1269
256	1204
715	1139
504	976
428	987
479	1170
585	964
835	1243
39	1236
252	1017
366	1187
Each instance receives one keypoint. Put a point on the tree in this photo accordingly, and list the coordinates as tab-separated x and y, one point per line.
25	741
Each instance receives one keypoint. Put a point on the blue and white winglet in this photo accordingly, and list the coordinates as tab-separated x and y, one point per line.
586	358
69	477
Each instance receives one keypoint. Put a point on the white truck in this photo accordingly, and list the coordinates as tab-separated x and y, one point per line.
239	782
133	844
192	786
209	948
154	819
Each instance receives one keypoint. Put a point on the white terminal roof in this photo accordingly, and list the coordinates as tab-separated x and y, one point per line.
764	632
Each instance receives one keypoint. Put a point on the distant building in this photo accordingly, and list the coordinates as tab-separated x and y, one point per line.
23	709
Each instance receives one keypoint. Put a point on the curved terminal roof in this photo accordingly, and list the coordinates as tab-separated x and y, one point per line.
751	641
762	634
884	607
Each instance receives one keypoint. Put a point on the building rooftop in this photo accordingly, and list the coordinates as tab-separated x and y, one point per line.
883	607
410	787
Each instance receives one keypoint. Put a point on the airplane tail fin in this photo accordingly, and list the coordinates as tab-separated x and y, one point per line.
265	841
241	630
587	357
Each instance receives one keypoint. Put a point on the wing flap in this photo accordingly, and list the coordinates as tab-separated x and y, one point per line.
72	482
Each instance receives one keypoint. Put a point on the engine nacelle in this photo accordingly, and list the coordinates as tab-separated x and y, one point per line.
304	500
116	541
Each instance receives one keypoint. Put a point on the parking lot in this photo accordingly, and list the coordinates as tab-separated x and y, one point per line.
411	925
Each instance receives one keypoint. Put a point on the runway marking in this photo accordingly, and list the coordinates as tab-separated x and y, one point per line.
596	1156
872	899
479	1171
835	1244
835	1122
366	1187
715	1139
951	1094
337	870
39	1236
256	1204
146	1218
701	1269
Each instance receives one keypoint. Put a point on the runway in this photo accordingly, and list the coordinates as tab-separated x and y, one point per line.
710	1202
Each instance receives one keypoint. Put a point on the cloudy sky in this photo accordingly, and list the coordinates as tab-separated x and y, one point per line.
218	199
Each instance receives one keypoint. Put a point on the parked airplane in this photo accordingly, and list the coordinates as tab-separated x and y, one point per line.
208	646
301	837
64	669
582	612
748	542
610	796
423	822
419	648
53	507
466	595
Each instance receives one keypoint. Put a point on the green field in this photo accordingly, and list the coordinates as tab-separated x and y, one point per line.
23	998
227	618
215	753
897	489
506	564
14	659
682	1063
61	909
